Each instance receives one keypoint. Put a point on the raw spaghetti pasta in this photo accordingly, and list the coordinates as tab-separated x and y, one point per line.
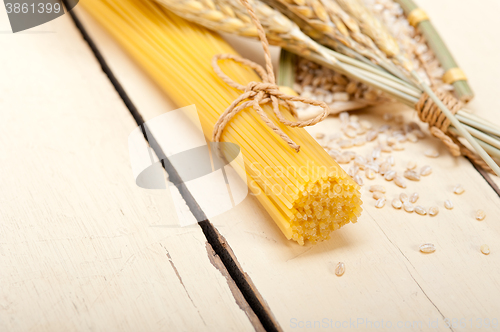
307	194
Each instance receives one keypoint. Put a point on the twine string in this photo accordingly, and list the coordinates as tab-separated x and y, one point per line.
257	93
430	113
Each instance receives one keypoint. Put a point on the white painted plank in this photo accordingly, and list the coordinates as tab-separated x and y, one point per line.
473	37
388	281
81	246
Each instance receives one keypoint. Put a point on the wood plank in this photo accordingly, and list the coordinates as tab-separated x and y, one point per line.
388	281
79	249
475	46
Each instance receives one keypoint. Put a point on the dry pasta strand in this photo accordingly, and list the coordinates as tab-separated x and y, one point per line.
307	194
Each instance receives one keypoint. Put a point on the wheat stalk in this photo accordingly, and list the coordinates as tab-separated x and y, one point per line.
283	32
410	40
312	79
384	40
326	22
218	15
330	25
340	92
231	17
371	26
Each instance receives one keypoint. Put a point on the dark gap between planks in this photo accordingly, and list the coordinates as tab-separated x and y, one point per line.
212	235
214	238
486	176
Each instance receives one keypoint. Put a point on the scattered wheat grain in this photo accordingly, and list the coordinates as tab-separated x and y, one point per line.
340	269
400	181
458	189
390	175
485	249
480	215
433	211
425	170
396	203
420	210
431	153
412	175
377	187
427	248
408	207
380	203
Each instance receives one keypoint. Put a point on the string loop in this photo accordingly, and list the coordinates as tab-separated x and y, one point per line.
256	93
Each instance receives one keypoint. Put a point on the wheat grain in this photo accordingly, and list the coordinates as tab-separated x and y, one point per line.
396	203
458	189
411	175
230	16
384	168
321	83
431	153
448	204
398	147
420	210
412	137
353	171
380	203
480	215
366	124
400	181
370	26
410	41
411	165
377	187
433	211
359	141
340	269
425	170
328	22
427	248
485	249
370	173
390	175
408	207
359	180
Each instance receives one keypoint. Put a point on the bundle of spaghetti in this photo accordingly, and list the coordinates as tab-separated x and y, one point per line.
306	193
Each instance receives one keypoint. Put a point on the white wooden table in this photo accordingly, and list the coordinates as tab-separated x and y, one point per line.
79	246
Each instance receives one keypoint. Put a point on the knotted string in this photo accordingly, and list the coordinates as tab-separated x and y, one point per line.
429	112
257	93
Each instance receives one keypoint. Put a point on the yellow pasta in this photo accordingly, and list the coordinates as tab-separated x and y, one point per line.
306	193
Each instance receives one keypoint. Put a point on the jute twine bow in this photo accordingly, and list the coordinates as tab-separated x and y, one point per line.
429	112
257	93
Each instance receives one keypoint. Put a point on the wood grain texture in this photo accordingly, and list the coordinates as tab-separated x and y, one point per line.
471	30
387	280
81	246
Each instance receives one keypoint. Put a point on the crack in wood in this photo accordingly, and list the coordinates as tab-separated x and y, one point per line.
182	283
218	244
409	272
238	296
